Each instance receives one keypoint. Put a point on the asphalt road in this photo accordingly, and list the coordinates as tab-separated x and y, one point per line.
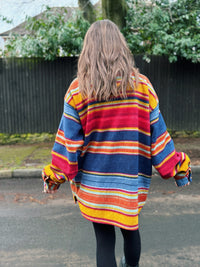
39	230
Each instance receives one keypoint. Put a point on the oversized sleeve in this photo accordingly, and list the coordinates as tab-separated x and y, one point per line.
68	143
166	160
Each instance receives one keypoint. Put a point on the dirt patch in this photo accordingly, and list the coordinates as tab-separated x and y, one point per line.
21	198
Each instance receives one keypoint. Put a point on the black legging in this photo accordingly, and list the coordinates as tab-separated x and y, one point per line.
105	252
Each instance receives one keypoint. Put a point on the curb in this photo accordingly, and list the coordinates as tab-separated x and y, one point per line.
195	169
36	173
21	173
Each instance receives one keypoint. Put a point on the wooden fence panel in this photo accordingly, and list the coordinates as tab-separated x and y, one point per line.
32	92
178	88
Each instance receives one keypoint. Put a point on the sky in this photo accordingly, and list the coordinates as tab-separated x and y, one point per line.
17	10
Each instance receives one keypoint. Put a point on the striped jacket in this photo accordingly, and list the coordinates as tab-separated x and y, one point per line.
106	150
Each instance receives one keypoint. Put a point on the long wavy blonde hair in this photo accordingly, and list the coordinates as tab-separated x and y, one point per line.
105	57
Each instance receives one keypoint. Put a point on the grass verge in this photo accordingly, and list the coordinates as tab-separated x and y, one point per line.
28	138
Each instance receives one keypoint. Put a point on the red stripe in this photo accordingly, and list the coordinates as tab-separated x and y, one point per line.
69	170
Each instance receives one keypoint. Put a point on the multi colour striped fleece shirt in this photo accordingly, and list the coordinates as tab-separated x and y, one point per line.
107	149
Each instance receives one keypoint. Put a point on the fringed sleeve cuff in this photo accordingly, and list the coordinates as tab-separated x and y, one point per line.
52	180
183	171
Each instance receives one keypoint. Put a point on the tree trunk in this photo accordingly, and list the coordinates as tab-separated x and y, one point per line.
115	11
88	10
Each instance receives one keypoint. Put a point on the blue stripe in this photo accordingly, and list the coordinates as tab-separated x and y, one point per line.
75	133
119	136
182	181
103	182
154	114
125	164
158	128
169	148
112	181
69	110
143	182
58	148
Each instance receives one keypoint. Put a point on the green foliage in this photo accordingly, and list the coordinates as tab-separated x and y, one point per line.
49	36
2	18
72	34
163	27
187	134
28	138
157	27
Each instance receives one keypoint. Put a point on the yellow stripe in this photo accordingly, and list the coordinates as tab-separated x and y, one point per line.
109	208
154	121
143	191
122	103
71	117
109	215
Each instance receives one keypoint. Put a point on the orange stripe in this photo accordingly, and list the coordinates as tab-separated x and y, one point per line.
159	139
118	151
159	147
142	197
110	200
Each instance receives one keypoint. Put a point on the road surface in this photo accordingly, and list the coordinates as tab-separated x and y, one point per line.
39	230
